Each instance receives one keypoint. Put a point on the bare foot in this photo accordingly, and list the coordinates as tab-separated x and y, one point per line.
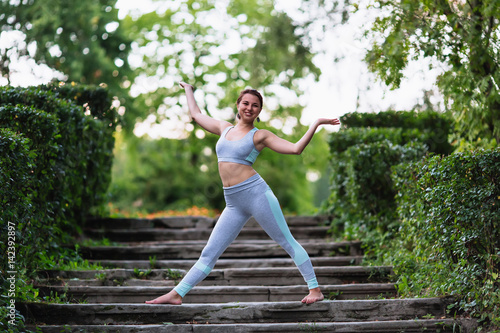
315	295
171	298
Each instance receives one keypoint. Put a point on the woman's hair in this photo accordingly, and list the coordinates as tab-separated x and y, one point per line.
252	92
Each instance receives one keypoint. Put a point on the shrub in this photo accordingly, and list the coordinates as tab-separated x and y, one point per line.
42	131
96	99
435	127
99	138
449	241
362	154
363	196
85	159
55	164
16	163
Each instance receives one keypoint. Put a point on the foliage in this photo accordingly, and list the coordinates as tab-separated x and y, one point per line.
430	127
256	46
54	169
402	119
362	154
449	240
82	39
348	137
266	49
362	197
95	99
159	175
462	35
16	162
84	144
191	211
368	188
42	131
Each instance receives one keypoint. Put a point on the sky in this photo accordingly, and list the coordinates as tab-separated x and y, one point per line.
344	86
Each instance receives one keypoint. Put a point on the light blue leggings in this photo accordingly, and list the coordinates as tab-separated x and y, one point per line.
253	197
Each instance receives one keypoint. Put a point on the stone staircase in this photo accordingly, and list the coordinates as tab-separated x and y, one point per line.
254	287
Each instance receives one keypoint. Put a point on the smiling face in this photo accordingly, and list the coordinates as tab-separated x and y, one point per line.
249	107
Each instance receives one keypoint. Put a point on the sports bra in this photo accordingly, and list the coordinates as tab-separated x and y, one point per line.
240	151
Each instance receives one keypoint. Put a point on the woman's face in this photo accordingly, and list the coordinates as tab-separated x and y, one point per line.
249	107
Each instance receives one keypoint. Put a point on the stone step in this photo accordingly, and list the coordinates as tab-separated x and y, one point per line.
268	276
229	263
192	250
218	294
241	312
255	286
406	326
160	234
181	222
174	222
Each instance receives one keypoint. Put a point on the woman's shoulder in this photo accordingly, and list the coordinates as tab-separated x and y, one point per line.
225	125
264	131
263	134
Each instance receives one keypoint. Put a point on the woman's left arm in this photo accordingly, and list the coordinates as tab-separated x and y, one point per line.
283	146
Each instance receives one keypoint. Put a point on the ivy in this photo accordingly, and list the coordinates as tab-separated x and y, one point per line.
449	240
435	218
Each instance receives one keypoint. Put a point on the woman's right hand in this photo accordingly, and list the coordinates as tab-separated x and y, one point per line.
184	85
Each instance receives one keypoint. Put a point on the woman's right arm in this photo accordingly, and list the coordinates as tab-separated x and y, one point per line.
208	123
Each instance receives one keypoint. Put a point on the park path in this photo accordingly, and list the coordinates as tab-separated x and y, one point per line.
255	287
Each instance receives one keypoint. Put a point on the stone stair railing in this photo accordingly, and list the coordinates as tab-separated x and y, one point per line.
254	287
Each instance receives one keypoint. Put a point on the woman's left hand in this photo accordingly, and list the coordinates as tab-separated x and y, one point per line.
327	121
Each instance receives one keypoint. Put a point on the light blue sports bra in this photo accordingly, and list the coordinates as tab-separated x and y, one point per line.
240	151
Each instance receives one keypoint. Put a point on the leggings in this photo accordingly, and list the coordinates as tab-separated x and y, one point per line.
252	197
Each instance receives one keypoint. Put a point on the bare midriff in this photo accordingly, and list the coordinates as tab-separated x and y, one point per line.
233	173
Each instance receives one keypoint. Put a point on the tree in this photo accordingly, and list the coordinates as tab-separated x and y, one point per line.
221	47
464	36
81	39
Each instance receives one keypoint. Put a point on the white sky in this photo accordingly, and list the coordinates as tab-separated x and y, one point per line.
344	86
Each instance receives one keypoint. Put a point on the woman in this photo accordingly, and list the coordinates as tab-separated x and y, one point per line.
245	192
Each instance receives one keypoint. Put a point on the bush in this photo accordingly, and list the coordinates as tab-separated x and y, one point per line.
99	138
86	147
449	242
362	154
16	163
96	99
347	137
363	196
41	130
55	164
434	127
